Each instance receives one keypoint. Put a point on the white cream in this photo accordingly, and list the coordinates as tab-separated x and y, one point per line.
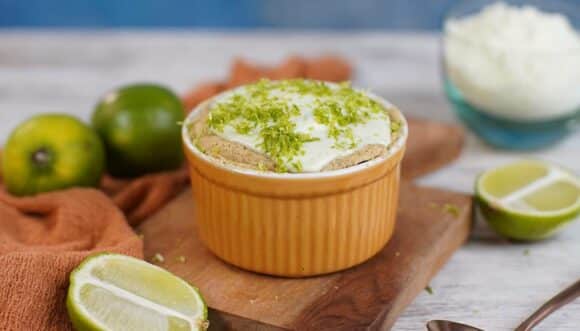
317	154
515	62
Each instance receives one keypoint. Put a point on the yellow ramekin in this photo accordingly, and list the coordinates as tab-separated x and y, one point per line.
295	224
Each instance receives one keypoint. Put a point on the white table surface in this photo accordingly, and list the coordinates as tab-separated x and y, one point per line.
489	282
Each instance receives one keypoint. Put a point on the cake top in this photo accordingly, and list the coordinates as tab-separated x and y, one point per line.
301	125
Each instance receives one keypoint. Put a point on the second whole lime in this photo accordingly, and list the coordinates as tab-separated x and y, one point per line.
139	125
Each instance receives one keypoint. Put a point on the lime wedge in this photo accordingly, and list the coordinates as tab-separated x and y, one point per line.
110	292
528	199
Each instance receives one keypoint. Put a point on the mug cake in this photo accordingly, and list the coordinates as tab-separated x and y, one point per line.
295	177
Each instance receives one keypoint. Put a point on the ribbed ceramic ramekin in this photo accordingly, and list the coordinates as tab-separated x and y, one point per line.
295	224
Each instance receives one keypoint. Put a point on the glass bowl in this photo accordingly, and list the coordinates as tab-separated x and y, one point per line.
517	97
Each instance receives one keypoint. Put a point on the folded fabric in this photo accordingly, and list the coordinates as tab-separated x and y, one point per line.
141	197
44	237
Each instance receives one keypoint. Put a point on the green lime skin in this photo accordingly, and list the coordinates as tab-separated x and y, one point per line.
139	125
523	227
519	226
50	152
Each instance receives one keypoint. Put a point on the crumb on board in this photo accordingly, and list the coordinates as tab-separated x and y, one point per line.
397	254
527	252
429	289
451	209
158	258
447	208
181	259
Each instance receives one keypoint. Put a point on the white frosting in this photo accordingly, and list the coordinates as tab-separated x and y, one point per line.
317	154
515	62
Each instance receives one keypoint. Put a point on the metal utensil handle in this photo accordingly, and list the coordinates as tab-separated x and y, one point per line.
566	296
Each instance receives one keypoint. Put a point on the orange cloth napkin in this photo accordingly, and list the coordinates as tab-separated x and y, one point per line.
141	197
329	68
44	237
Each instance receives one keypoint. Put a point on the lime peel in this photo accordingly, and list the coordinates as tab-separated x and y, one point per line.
528	200
87	276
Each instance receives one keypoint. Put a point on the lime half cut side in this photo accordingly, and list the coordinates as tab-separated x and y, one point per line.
528	199
110	292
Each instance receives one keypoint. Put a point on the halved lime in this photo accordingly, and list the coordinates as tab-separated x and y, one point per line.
528	199
110	292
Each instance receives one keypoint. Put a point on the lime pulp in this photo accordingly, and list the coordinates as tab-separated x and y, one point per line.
528	199
110	292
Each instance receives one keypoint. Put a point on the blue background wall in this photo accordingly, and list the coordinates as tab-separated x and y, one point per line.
322	14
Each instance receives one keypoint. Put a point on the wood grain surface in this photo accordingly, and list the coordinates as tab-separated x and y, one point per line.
431	225
430	146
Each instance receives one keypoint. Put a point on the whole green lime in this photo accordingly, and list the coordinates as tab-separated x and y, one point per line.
50	152
139	126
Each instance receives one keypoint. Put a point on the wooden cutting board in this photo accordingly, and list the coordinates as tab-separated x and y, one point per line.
431	225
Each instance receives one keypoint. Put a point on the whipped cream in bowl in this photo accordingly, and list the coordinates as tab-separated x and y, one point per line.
512	71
